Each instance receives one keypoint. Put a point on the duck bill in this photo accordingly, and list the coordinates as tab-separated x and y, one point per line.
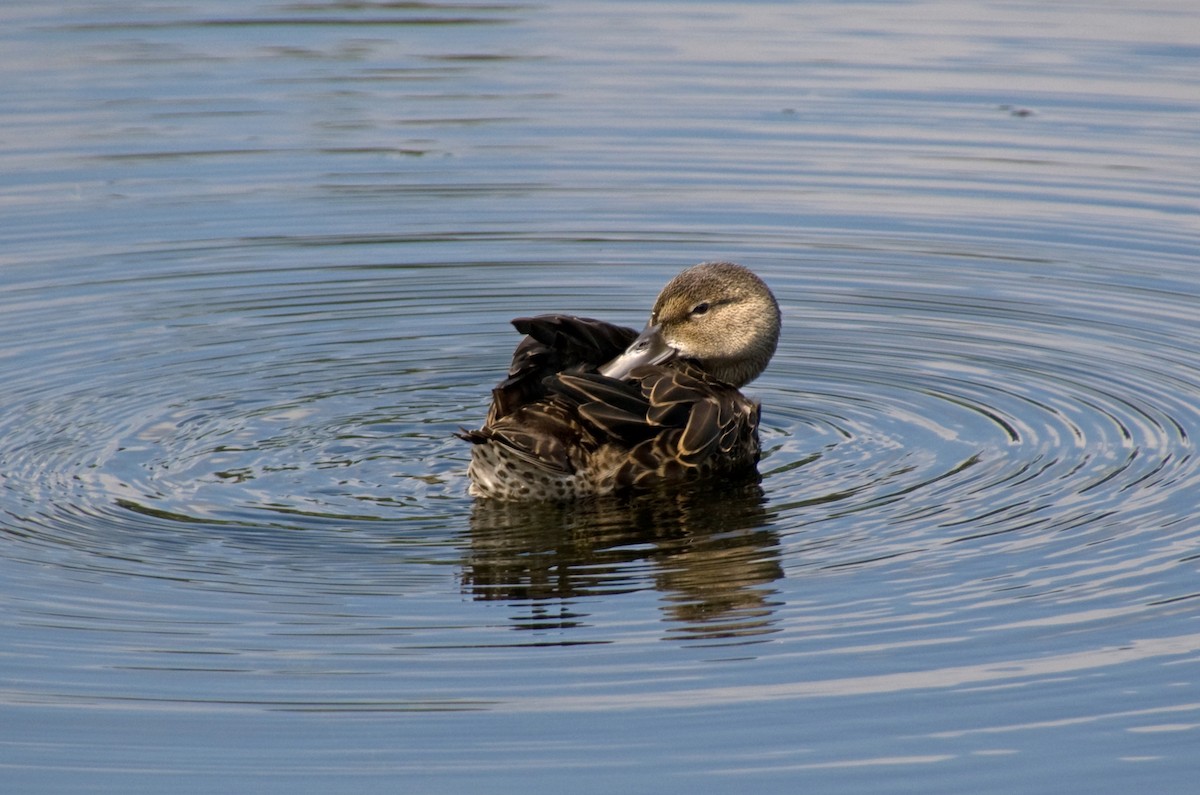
648	348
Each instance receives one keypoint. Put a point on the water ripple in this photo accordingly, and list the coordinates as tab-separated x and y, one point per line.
249	290
912	420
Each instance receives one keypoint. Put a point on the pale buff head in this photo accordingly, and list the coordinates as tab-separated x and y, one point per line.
717	314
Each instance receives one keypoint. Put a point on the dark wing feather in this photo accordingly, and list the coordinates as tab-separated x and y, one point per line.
554	343
541	434
596	388
577	340
672	393
701	436
613	410
700	426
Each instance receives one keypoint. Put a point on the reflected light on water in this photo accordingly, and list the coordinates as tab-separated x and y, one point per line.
713	557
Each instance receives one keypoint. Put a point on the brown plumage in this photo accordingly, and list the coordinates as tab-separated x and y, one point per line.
590	408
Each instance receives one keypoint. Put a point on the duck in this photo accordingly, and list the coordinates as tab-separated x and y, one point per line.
591	409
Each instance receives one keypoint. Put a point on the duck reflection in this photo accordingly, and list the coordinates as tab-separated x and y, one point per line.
713	556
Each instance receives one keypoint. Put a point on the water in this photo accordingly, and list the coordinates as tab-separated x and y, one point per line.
257	266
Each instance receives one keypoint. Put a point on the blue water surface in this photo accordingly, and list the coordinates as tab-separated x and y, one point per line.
257	265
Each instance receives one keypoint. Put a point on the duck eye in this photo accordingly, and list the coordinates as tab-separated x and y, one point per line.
700	309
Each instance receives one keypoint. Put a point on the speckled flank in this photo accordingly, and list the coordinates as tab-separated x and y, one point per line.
497	471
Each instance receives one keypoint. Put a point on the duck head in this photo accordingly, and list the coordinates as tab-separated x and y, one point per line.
716	314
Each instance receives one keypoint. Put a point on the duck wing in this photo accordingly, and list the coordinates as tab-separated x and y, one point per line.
609	409
672	420
553	344
715	423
